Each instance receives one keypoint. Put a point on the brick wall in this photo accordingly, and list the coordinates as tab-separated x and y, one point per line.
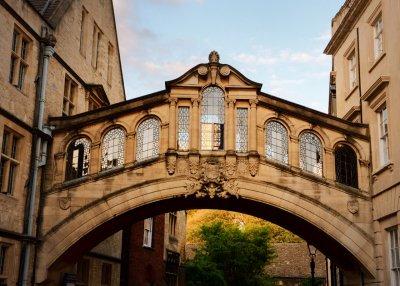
146	265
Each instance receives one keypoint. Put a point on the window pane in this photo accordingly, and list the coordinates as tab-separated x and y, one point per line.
15	41
148	232
241	129
78	159
11	178
346	166
21	75
183	128
277	147
148	139
212	116
310	153
113	149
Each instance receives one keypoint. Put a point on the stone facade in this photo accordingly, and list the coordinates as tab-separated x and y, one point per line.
369	29
313	204
29	25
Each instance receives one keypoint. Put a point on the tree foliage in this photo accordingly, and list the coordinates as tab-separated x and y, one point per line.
240	254
197	218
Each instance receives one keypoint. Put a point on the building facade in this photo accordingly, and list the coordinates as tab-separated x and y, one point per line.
57	58
365	88
154	250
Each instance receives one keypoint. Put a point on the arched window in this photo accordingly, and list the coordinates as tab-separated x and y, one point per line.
148	139
311	153
276	142
346	166
113	149
212	119
78	156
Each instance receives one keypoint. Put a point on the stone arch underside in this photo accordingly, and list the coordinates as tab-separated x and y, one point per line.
333	234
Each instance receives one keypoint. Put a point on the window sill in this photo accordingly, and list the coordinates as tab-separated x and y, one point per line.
351	92
376	62
75	181
112	170
148	247
10	196
21	91
388	166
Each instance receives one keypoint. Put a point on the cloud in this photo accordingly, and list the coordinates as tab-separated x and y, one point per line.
270	57
175	2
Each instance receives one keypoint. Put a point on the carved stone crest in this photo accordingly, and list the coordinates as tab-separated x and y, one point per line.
353	206
254	164
171	158
64	203
224	70
202	70
213	180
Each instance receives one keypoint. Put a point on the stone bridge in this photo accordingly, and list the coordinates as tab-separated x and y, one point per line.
211	139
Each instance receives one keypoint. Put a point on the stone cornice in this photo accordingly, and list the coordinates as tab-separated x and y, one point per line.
353	14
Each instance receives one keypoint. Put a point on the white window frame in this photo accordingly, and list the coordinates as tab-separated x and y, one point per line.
352	61
394	256
383	136
148	232
378	37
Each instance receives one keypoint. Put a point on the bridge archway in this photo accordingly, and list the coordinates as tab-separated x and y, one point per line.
332	233
80	212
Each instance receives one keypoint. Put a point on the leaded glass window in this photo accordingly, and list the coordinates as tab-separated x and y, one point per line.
78	156
148	139
276	142
113	149
394	256
183	128
346	166
212	119
311	153
241	129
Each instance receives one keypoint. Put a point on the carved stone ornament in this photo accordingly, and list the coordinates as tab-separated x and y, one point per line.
202	70
353	206
171	158
213	57
254	164
213	180
225	71
64	203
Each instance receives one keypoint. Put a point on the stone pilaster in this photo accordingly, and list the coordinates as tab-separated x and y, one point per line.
253	125
194	142
172	124
230	122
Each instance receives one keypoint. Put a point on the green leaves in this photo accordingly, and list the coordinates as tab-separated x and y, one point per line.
239	253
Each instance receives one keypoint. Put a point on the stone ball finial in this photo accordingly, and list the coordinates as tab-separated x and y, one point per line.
213	57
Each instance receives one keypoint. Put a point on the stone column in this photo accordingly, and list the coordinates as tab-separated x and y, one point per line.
230	122
95	158
253	125
172	124
130	148
194	142
294	154
329	164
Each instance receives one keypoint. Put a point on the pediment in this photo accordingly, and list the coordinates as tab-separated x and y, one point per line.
212	73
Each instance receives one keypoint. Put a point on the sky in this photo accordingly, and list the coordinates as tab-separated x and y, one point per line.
277	43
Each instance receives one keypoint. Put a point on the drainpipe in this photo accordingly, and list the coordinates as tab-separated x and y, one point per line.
48	51
359	75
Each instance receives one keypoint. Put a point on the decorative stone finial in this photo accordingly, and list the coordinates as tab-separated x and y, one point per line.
213	57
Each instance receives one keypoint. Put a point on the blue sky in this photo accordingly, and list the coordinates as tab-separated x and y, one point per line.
277	43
